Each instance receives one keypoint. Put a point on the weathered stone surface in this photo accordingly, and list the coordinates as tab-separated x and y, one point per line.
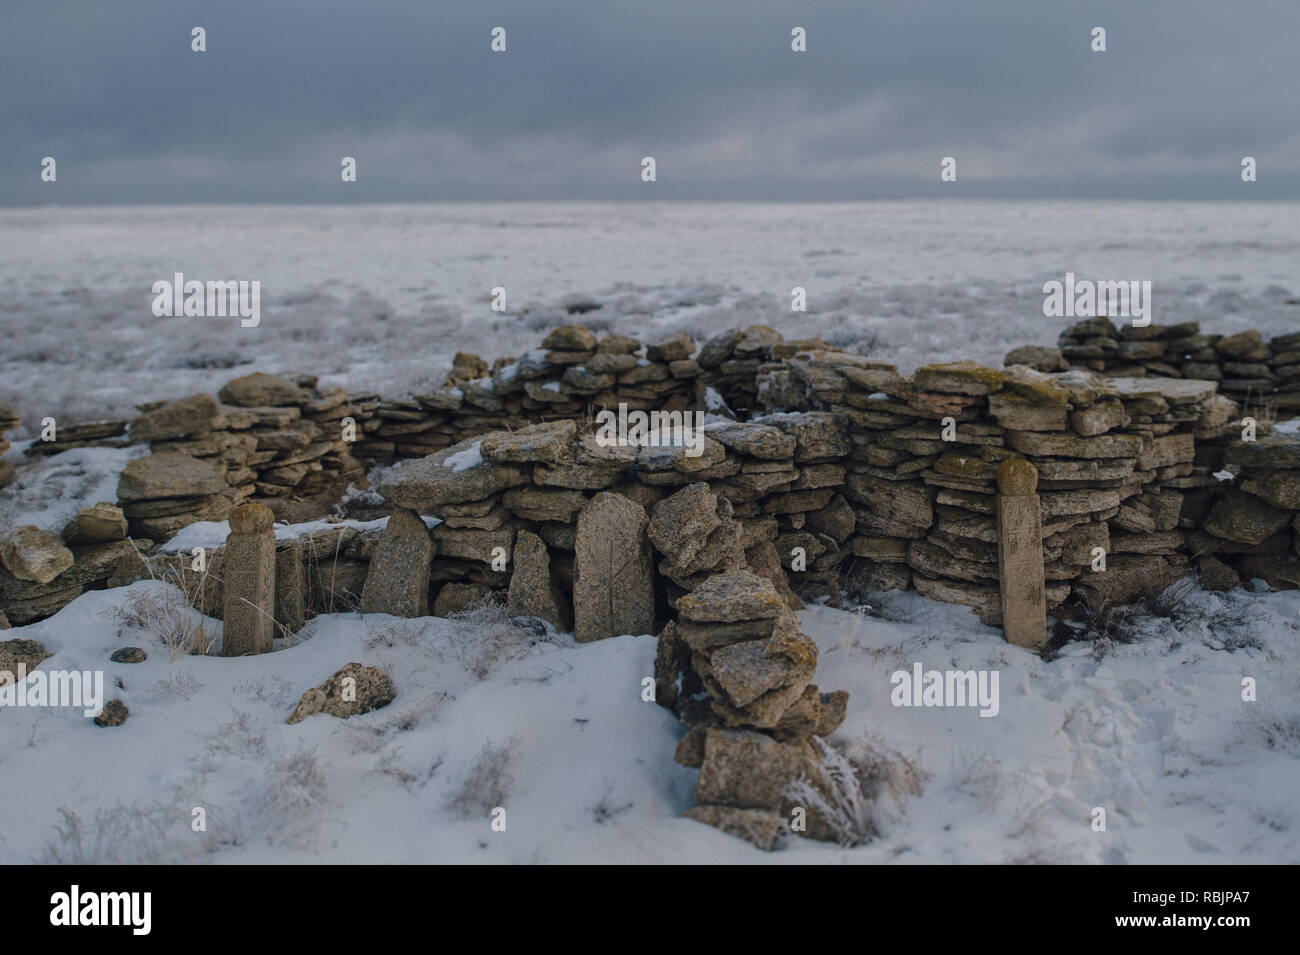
570	338
1269	451
455	475
836	519
31	553
398	580
96	525
1279	488
129	655
762	558
168	475
454	598
671	347
114	713
1216	575
749	770
352	690
1128	577
1245	519
958	378
897	506
729	597
549	443
292	591
533	592
1027	414
1072	446
682	522
577	477
1020	555
544	504
718	348
613	590
1239	345
259	389
29	653
476	545
759	827
819	435
1098	418
722	549
1279	571
1037	357
176	419
745	671
879	577
1167	450
1076	544
610	363
249	587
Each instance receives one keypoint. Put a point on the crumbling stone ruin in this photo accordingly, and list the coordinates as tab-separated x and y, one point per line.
1101	470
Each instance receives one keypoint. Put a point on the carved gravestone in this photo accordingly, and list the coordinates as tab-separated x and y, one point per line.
613	589
249	611
398	579
1020	555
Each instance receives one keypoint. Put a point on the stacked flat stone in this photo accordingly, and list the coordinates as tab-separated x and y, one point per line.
572	373
737	669
788	473
1097	344
1252	528
1246	367
746	369
271	439
41	572
107	433
1285	366
9	421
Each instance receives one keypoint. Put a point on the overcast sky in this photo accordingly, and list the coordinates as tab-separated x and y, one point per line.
710	88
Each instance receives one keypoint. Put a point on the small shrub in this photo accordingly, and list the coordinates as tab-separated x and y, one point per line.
122	835
489	781
1225	621
856	787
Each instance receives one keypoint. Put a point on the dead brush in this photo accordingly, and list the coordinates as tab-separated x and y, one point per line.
856	787
489	781
1226	620
171	614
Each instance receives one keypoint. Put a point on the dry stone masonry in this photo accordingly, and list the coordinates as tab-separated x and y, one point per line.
1099	471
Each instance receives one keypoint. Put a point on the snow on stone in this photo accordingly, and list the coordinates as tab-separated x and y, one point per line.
471	457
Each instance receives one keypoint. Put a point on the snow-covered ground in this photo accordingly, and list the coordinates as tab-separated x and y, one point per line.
379	298
487	715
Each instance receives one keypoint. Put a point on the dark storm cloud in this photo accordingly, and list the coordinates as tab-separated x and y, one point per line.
709	87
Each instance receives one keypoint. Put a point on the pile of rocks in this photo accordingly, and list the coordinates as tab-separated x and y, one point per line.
1247	367
746	370
484	491
273	439
786	475
737	669
9	421
570	374
1253	529
107	433
41	572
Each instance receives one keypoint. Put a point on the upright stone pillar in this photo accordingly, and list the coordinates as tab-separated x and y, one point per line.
290	587
397	581
249	564
613	587
1020	555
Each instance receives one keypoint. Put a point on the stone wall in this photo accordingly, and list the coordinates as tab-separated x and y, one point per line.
1246	367
846	471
